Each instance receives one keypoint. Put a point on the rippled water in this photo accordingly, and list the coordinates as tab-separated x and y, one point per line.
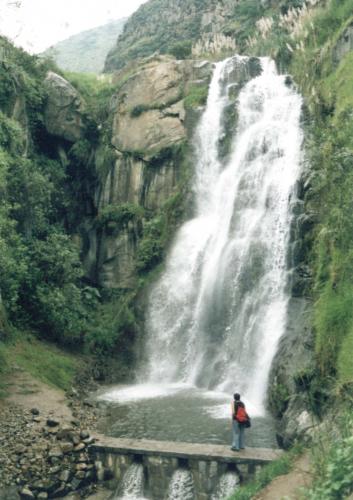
178	413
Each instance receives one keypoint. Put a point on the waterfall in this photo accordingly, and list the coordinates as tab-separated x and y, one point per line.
218	311
132	484
181	486
227	485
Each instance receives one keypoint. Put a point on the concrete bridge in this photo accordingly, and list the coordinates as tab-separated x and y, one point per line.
160	459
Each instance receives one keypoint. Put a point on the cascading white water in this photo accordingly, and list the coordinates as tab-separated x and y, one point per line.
216	315
181	486
132	484
227	485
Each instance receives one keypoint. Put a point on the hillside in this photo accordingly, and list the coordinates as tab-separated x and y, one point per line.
86	51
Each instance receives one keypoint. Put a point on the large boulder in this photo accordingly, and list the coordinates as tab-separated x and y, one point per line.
146	117
63	113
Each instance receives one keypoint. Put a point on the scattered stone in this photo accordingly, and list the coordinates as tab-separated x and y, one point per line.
81	467
38	461
27	494
88	403
76	483
75	439
66	432
21	449
51	422
35	411
81	474
52	430
66	447
65	476
79	447
9	493
54	470
55	452
89	441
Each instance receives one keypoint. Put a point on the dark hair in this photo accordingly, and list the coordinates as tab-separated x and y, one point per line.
237	396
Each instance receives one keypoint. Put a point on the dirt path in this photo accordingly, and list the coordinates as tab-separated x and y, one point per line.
27	392
289	486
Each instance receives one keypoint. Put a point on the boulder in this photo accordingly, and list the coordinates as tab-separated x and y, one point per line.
150	104
63	113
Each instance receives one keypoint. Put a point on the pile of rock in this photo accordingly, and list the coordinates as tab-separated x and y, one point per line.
42	457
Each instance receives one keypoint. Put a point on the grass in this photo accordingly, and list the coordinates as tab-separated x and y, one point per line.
344	363
42	360
276	468
197	96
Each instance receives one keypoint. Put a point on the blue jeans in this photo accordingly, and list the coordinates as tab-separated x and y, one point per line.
238	435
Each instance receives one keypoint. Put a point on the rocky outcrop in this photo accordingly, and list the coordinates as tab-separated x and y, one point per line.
292	366
63	110
150	127
149	113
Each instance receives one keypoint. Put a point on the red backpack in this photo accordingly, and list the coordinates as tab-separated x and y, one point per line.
241	416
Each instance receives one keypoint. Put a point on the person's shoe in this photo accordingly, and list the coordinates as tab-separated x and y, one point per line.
234	449
242	448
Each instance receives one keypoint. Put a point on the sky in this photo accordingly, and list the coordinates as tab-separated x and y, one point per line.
37	24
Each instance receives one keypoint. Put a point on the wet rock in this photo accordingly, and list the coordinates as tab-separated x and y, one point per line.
35	411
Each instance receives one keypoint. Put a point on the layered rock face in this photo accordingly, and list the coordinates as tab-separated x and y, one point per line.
149	128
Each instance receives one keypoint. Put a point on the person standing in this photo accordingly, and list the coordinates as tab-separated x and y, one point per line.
240	420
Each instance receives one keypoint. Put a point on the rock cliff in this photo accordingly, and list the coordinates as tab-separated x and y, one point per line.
149	131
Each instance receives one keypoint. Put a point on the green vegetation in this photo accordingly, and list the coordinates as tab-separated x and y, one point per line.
44	361
276	468
157	34
118	216
332	461
42	284
196	96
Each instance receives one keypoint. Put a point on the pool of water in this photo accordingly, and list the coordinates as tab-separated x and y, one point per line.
177	413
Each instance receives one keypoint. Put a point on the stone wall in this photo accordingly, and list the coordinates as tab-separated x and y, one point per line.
160	460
